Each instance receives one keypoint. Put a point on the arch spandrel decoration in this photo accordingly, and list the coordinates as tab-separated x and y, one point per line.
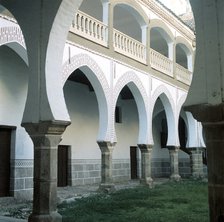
103	94
80	60
131	79
11	34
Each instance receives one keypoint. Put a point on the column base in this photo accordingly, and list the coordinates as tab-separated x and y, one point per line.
53	217
106	187
147	182
175	177
198	176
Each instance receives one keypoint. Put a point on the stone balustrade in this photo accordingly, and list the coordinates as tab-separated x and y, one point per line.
128	46
92	28
161	63
183	74
96	31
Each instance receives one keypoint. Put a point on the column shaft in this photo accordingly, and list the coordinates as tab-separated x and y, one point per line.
174	163
196	162
146	151
106	166
214	133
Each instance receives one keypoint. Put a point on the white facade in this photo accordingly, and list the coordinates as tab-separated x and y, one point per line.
152	57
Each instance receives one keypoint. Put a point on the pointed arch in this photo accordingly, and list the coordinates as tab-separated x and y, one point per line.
97	78
163	93
135	85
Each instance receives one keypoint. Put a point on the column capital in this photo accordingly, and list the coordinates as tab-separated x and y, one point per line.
207	113
145	147
106	146
173	148
46	127
196	149
46	133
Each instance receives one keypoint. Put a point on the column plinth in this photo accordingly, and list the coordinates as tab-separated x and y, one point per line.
46	136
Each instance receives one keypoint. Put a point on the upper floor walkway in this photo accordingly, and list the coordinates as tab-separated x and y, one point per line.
140	32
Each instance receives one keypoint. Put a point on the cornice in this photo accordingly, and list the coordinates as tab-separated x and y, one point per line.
168	17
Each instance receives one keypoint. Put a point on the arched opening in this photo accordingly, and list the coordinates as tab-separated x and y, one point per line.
160	155
125	21
92	8
15	142
182	131
161	48
126	154
84	156
184	56
130	31
161	42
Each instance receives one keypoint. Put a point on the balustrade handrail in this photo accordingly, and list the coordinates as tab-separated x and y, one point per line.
93	29
161	62
183	74
129	46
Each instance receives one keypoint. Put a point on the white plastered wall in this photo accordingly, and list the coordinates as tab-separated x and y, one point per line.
13	91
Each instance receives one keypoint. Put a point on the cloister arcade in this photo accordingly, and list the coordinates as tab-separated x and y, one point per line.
101	84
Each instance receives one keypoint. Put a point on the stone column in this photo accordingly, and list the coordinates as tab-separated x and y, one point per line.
46	137
214	133
196	162
174	163
146	151
106	148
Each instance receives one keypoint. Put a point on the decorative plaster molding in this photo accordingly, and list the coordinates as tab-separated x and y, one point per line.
11	34
126	78
19	163
159	91
80	60
129	77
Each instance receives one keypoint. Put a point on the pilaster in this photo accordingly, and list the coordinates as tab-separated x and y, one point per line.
46	136
146	151
174	163
106	148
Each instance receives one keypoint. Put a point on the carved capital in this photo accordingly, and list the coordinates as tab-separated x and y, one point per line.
46	133
207	113
106	146
146	148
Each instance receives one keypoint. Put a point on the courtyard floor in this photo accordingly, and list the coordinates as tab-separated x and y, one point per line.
174	196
